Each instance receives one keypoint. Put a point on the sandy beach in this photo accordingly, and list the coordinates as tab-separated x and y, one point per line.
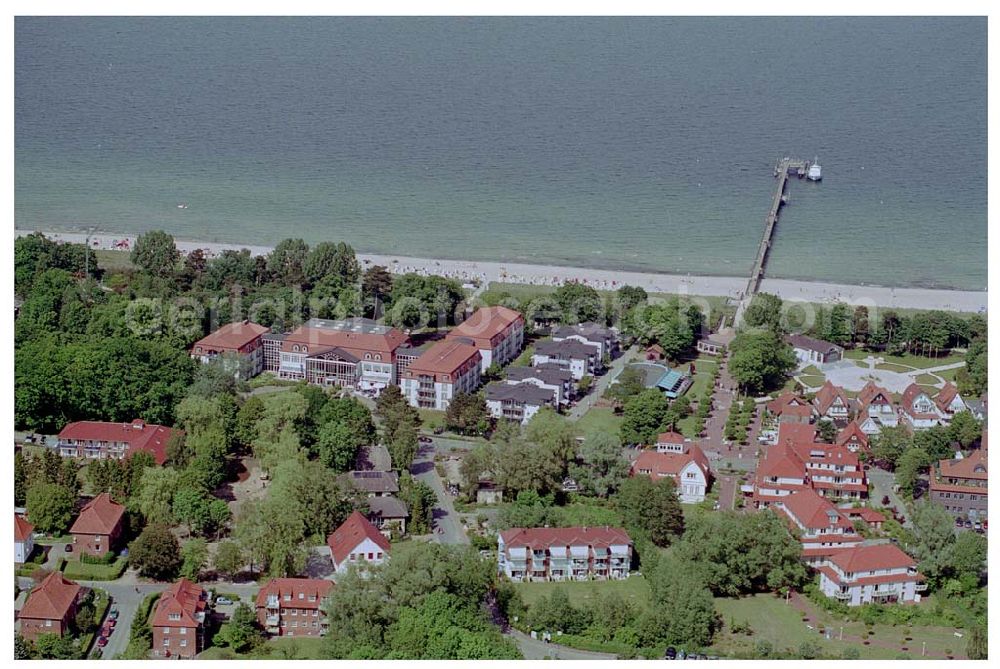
516	273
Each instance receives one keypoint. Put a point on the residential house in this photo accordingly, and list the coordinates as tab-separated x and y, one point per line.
50	607
688	467
373	457
831	402
671	442
97	529
518	402
594	334
553	377
389	514
353	353
24	539
178	622
822	529
960	484
949	401
448	367
870	517
833	471
878	574
853	438
875	409
814	351
779	473
498	333
579	358
294	606
241	341
790	408
373	483
95	440
978	407
564	553
357	542
919	409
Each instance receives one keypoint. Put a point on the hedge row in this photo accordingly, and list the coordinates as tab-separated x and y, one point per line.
95	572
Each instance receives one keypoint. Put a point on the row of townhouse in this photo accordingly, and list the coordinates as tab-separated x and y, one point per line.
564	553
873	409
960	484
677	458
797	462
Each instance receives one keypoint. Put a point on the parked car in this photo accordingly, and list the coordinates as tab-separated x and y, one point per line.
113	614
885	500
423	439
69	548
959	522
438	430
223	600
671	653
102	641
977	526
968	524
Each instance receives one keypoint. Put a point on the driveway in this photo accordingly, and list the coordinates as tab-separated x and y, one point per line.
882	483
445	518
727	492
601	383
533	649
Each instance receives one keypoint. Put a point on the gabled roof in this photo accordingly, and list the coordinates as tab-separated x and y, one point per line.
796	433
827	453
525	392
566	348
538	538
230	337
183	599
387	507
827	395
869	558
372	480
865	513
781	461
974	466
811	344
870	392
100	515
778	405
946	396
670	438
139	435
852	432
670	464
548	374
910	395
51	599
22	528
446	357
315	588
352	532
353	334
486	323
814	511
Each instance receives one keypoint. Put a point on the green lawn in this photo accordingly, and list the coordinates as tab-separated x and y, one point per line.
431	418
907	360
811	370
781	624
584	593
599	419
927	380
278	648
76	570
524	359
893	367
112	261
813	381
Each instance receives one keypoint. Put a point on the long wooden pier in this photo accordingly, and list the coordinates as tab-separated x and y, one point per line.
785	168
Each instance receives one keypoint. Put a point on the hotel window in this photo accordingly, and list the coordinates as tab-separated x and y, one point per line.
380	555
288	597
305	349
368	356
371	556
48	623
378	356
166	630
302	595
184	630
295	348
166	642
184	643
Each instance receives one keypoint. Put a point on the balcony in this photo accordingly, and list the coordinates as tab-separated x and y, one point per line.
272	620
842	595
920	587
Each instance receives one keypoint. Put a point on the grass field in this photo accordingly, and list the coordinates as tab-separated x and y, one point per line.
813	381
926	379
599	419
112	261
907	360
281	648
580	593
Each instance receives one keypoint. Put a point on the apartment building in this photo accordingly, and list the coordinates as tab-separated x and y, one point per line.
579	358
550	376
879	574
448	367
178	622
960	485
294	607
594	334
564	553
241	341
833	471
518	402
498	333
95	440
822	528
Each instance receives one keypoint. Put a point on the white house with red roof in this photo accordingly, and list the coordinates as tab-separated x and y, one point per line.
919	409
24	539
779	473
97	529
448	367
790	408
357	542
879	574
832	402
564	553
241	339
876	409
498	333
853	438
949	401
822	528
679	460
96	440
294	606
178	622
833	470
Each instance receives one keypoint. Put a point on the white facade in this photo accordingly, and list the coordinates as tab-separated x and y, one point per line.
691	484
22	549
423	391
874	586
578	367
365	553
522	412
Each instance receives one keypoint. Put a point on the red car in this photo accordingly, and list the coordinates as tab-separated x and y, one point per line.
102	641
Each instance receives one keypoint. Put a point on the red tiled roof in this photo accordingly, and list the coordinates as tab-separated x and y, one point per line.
782	402
670	464
973	466
486	323
308	587
813	511
781	461
797	432
100	515
352	532
446	357
868	558
356	343
138	435
230	337
537	538
51	599
182	598
865	514
852	433
912	392
22	528
827	394
871	392
946	395
865	580
827	453
670	438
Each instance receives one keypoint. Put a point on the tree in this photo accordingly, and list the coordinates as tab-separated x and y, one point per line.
579	303
242	633
285	263
908	468
651	509
643	416
631	296
156	553
890	444
860	325
682	611
764	311
420	499
399	426
156	253
50	507
629	383
23	649
376	287
194	556
972	380
964	429
229	559
966	557
55	647
154	499
467	414
760	360
604	466
839	325
827	430
977	648
20	479
271	533
555	613
933	528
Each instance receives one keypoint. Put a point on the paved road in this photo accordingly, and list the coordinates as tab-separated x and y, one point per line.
533	649
882	483
727	492
445	517
601	383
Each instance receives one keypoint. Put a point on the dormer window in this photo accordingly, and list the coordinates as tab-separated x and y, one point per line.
174	616
378	356
305	349
368	356
295	348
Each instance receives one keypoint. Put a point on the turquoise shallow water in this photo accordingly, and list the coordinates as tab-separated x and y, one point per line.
642	144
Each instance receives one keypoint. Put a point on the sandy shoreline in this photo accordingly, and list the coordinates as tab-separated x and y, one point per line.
711	286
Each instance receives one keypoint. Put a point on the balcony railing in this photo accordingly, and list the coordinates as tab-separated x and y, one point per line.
842	595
